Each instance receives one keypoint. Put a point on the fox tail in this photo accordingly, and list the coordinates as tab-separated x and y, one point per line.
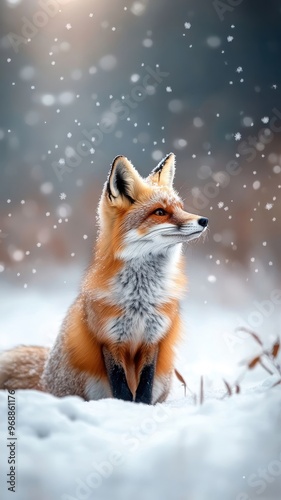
22	367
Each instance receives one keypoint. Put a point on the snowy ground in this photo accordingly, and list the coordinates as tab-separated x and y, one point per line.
228	449
71	450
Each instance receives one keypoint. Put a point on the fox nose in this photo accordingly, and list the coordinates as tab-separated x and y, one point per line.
203	221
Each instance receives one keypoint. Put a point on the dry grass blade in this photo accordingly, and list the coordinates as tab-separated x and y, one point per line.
276	383
229	390
275	349
201	390
266	368
253	334
265	358
254	362
181	379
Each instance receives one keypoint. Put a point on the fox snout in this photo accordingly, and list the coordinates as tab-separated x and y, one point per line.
185	226
181	218
203	221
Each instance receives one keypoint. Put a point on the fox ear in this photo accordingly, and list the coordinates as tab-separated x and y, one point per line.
123	180
164	173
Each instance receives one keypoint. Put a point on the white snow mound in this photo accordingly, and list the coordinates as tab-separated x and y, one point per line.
68	449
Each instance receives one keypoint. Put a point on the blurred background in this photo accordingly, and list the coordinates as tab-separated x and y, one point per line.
83	81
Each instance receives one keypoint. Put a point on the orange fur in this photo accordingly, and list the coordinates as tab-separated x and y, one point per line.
81	360
84	351
166	352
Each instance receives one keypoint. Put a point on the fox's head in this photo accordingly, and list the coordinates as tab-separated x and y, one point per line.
144	216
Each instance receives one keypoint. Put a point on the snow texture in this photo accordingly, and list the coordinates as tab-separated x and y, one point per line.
229	449
68	449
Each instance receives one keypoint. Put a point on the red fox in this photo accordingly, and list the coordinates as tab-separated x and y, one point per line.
118	337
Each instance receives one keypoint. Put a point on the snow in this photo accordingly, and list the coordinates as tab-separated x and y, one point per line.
226	448
68	449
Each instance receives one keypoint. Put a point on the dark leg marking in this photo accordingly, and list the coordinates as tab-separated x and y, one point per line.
118	383
144	390
117	379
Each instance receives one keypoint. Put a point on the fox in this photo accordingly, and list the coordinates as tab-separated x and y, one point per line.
118	338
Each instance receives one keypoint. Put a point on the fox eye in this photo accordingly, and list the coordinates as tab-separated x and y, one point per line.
160	211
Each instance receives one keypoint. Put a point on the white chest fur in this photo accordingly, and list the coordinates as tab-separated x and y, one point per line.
139	290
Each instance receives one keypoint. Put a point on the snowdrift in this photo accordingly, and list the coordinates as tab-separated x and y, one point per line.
68	449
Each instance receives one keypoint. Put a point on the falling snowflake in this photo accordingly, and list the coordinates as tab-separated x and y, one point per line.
62	196
220	204
237	136
268	206
187	26
168	89
256	185
230	38
239	69
265	119
68	26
